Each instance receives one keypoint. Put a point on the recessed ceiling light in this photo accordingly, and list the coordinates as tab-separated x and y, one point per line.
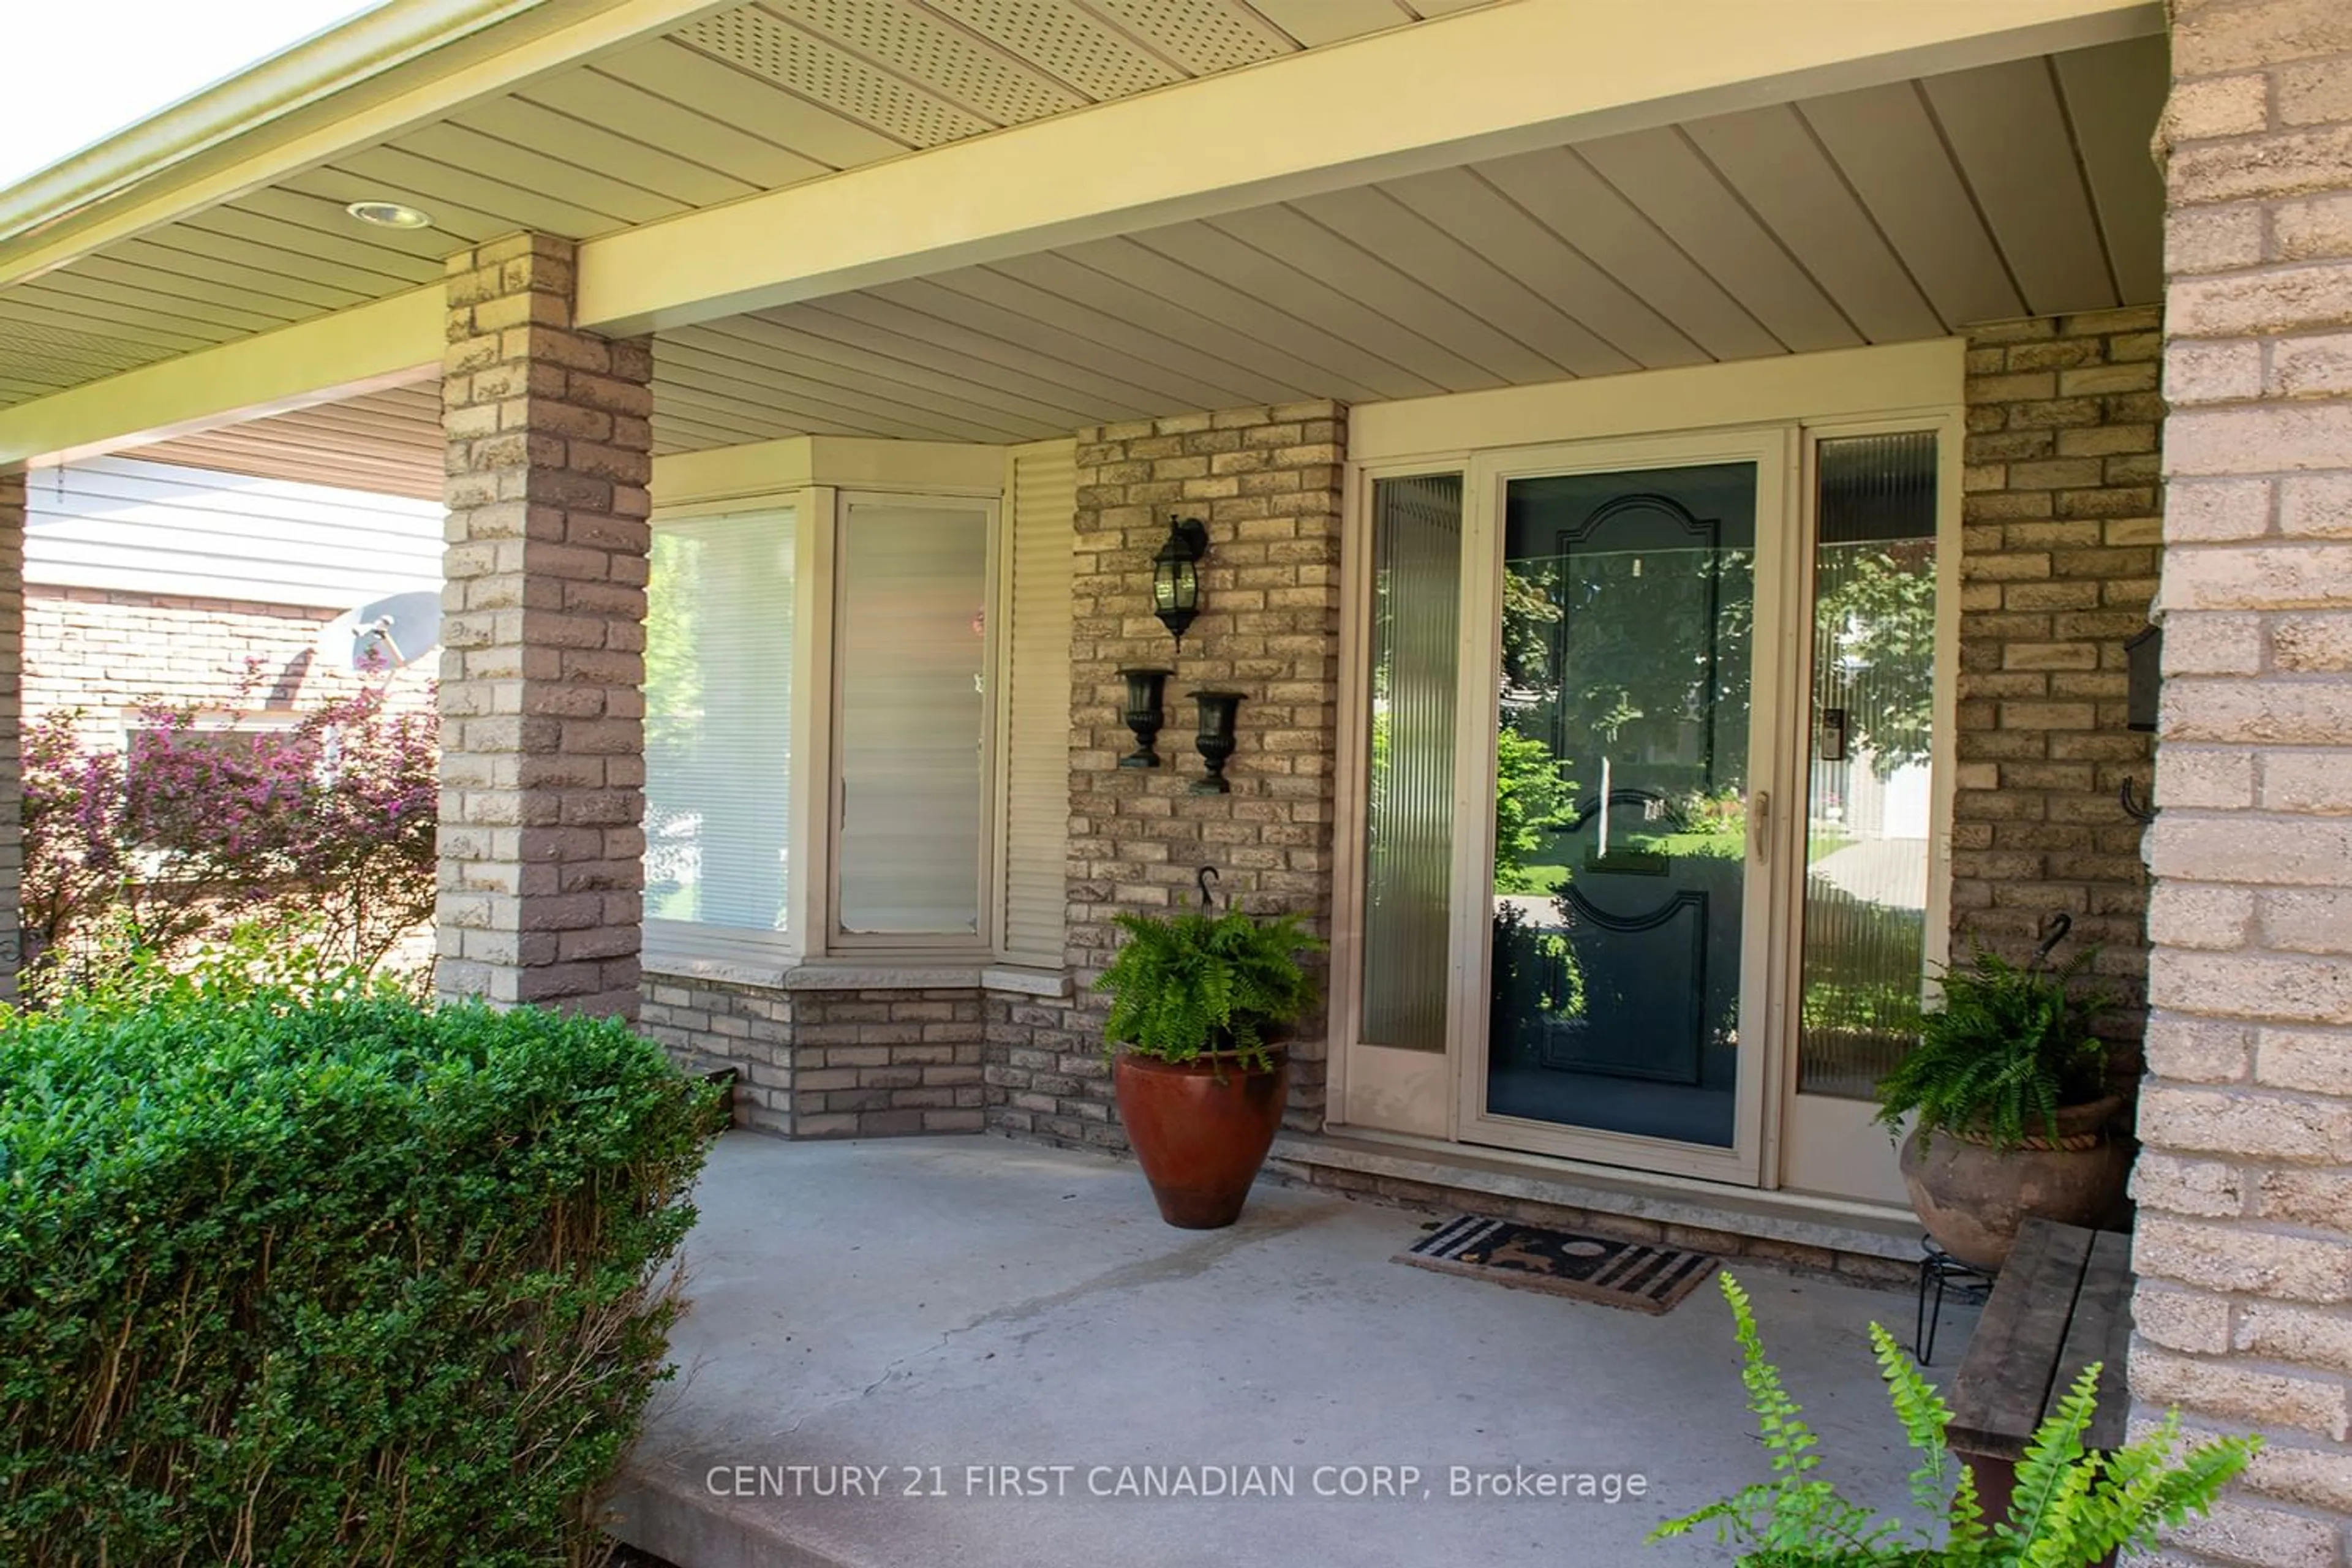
390	215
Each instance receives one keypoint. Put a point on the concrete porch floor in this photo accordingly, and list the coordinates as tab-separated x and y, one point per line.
968	1303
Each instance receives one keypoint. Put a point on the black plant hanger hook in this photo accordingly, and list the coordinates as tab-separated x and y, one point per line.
2054	927
1208	876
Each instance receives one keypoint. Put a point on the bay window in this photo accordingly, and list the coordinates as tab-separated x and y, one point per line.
822	704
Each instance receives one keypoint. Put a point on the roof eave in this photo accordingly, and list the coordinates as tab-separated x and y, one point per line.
150	154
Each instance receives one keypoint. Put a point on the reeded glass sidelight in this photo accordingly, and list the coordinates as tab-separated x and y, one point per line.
1868	787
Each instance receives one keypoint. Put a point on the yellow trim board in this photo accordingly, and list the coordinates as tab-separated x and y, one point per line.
391	342
759	470
1866	383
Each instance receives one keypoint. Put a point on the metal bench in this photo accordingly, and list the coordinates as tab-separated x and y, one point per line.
2063	1301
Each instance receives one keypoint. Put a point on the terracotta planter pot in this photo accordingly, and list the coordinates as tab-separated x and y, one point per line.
1200	1131
1972	1199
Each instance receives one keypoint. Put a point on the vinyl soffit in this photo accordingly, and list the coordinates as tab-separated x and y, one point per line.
1385	284
758	96
811	65
926	74
1478	277
921	45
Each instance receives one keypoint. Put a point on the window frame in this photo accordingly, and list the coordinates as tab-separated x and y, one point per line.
741	953
978	945
820	511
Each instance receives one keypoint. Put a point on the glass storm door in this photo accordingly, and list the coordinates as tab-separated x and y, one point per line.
1627	875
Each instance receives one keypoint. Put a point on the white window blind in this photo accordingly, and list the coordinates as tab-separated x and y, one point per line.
911	638
1037	706
718	710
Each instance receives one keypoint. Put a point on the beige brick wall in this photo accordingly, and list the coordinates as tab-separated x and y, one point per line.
1046	1074
106	652
710	1024
2058	568
830	1064
542	706
12	779
870	1064
1265	482
2244	1247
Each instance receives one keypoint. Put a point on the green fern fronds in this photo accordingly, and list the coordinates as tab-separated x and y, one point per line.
2054	1462
1795	1517
1182	985
1967	1536
2009	1047
1780	1420
1924	1417
2069	1509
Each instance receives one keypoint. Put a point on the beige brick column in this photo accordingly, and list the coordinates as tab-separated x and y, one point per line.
12	774
542	770
2244	1245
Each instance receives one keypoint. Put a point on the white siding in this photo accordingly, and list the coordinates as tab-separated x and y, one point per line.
124	526
1041	506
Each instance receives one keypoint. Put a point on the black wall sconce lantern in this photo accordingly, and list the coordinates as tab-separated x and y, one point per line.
1176	576
1144	688
1218	709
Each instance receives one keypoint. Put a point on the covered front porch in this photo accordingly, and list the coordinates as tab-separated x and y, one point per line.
787	641
802	525
986	1308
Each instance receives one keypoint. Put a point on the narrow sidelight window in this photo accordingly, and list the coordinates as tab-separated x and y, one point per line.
1409	825
1869	787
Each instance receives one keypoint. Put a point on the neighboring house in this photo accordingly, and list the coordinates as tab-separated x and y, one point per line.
149	583
1740	412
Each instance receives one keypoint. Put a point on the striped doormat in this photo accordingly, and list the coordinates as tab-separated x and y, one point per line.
1590	1268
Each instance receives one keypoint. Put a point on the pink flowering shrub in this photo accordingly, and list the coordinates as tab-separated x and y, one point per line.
166	844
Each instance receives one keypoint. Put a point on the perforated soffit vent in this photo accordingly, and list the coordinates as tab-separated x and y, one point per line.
913	73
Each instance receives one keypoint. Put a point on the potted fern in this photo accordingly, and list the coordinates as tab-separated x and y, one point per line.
2013	1116
1201	1001
2071	1508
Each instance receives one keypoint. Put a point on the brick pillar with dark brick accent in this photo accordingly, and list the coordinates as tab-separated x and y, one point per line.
12	769
542	771
2244	1241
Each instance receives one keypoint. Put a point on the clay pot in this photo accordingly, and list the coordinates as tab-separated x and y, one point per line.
1972	1199
1201	1130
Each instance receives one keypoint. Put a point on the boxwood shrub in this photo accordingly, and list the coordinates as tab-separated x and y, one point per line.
323	1276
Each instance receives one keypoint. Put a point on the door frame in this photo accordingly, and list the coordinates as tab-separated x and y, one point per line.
1773	449
1389	1087
1385	1092
1830	1144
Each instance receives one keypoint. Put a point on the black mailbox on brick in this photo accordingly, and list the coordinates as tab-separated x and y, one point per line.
2145	656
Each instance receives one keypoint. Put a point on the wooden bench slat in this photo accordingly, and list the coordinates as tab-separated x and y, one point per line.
2003	1382
2100	1332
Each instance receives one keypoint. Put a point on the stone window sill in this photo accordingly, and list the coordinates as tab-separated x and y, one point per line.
675	966
1021	980
832	975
